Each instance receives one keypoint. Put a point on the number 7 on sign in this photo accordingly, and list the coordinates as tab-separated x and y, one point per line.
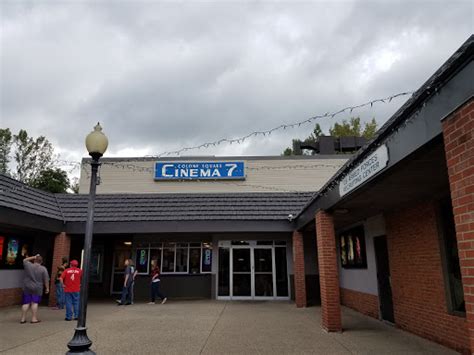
231	169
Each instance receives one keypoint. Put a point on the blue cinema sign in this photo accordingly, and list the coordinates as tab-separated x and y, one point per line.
226	170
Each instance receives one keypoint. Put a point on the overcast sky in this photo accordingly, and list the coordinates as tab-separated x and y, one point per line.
164	75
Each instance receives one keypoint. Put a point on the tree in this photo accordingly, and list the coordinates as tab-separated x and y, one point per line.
370	129
31	161
31	156
346	129
343	129
75	185
52	180
317	131
5	149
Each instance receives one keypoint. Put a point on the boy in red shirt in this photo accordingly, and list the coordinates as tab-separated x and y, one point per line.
71	279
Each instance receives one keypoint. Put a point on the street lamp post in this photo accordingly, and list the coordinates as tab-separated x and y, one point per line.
96	143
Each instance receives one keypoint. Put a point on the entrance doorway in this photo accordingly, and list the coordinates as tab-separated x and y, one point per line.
252	270
383	279
121	253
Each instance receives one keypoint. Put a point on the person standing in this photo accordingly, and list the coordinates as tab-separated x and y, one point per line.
71	279
129	278
36	277
60	297
155	283
134	275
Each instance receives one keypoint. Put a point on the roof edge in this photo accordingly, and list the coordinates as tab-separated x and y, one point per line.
454	64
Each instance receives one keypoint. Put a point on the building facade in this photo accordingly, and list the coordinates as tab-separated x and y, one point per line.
223	235
389	234
395	226
251	174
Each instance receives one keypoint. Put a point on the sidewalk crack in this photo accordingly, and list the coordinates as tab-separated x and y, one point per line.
213	327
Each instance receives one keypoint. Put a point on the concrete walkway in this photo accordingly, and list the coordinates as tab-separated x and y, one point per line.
208	327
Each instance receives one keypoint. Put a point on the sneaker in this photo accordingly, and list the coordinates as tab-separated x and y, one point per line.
76	318
164	300
67	319
151	303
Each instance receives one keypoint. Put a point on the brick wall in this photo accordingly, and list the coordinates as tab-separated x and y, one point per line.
62	247
417	277
328	272
299	270
459	148
10	296
361	302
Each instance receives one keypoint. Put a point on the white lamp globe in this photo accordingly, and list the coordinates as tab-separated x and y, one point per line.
96	142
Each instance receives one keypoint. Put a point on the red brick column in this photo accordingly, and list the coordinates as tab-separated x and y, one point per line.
62	247
298	269
459	148
328	272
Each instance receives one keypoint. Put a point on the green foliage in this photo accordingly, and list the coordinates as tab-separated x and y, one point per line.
317	131
344	129
370	129
52	180
5	149
32	160
31	156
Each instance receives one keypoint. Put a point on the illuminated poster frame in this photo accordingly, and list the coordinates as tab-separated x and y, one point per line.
352	248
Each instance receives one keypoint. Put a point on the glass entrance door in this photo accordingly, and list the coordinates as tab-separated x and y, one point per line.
263	272
252	270
241	272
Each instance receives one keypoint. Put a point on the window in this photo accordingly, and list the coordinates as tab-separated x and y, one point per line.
180	258
194	260
168	258
155	255
352	248
449	251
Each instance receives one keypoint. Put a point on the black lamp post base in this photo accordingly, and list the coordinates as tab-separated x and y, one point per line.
87	352
80	343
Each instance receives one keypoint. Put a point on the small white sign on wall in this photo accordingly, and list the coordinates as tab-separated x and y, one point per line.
370	166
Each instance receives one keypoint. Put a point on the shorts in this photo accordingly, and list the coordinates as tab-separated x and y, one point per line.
27	299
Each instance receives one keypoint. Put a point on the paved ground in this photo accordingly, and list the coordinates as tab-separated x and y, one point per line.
208	327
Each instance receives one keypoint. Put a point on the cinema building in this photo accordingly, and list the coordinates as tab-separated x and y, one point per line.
387	231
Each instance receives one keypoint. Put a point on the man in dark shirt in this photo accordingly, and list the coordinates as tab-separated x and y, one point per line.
36	276
129	277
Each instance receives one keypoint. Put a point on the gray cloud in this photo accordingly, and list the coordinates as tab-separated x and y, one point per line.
162	75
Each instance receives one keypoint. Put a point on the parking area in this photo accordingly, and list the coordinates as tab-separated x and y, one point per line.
208	327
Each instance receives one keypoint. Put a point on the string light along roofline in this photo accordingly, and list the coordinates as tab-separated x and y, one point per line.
241	139
75	165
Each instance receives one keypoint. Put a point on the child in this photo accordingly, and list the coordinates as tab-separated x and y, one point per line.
60	298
